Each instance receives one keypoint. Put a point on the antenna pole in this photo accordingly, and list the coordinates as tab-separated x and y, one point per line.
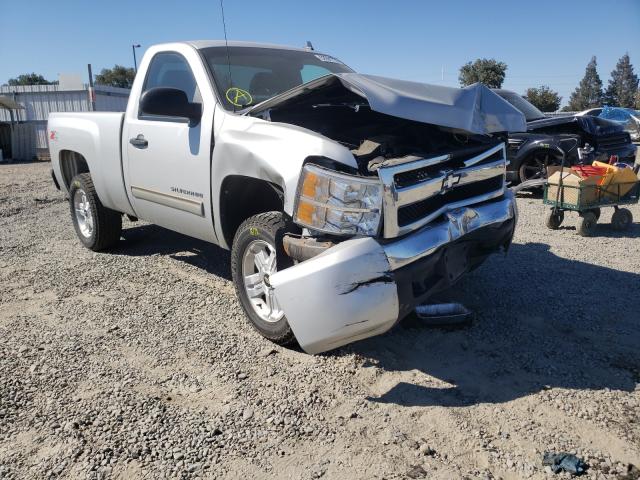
226	43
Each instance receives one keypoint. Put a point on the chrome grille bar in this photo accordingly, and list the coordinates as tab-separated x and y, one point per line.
440	183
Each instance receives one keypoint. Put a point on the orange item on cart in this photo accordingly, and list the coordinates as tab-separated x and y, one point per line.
616	181
586	171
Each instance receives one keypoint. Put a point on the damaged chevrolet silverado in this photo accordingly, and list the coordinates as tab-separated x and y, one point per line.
346	200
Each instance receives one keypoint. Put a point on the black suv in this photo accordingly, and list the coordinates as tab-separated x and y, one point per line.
548	137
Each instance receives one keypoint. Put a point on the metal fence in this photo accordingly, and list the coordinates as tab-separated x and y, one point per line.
559	114
40	100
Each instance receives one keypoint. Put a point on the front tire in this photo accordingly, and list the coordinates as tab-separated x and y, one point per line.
587	224
534	166
257	253
554	219
97	226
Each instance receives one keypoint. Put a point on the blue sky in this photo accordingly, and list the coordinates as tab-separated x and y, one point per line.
543	42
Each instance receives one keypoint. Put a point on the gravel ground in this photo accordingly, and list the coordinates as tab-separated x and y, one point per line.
139	363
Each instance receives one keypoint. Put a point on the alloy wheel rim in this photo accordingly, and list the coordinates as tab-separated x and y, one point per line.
84	216
258	263
535	167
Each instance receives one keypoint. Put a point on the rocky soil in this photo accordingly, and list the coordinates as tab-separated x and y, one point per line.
139	363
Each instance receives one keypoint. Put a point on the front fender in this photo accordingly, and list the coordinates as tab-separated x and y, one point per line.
275	152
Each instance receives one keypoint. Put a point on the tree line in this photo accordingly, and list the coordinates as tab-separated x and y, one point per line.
622	90
118	76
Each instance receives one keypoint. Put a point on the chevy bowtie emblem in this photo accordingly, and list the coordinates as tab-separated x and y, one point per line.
450	180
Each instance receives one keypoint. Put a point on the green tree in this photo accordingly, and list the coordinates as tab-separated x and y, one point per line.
29	79
118	76
638	100
483	70
544	98
623	84
588	94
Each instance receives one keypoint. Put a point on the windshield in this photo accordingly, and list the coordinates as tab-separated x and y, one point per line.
530	112
250	75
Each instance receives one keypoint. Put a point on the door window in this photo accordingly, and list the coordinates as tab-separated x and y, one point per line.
172	70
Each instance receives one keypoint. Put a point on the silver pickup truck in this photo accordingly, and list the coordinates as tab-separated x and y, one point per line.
346	200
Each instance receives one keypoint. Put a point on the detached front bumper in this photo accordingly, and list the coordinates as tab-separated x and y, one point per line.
362	287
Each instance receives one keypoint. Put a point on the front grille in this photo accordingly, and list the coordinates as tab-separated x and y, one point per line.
417	192
414	212
456	161
609	142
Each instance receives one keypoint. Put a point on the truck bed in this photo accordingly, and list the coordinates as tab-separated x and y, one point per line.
97	136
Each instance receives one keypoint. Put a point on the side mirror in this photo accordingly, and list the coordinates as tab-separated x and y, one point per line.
169	102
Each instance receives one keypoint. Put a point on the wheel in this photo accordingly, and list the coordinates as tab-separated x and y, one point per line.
97	226
554	218
621	219
257	253
596	212
535	165
587	224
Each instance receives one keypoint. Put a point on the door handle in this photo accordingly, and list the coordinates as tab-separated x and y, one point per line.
139	141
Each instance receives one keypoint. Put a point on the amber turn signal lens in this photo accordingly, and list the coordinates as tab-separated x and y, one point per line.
309	185
305	212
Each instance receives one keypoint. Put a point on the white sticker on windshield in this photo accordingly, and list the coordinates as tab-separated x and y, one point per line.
327	58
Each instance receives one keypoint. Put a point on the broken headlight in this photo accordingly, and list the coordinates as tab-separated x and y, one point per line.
337	203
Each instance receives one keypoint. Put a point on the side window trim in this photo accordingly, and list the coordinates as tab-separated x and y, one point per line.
160	118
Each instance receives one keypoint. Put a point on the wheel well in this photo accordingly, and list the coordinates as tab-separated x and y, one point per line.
72	164
243	197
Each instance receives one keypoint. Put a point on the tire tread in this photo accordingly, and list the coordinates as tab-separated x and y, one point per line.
107	222
274	222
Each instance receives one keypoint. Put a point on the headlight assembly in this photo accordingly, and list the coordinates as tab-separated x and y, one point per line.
337	203
516	143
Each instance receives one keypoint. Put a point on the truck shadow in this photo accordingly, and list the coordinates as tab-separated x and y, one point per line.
563	324
148	240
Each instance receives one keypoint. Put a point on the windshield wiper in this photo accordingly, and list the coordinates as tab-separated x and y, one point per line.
354	106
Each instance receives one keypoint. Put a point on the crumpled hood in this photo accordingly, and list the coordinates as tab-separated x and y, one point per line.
475	109
592	125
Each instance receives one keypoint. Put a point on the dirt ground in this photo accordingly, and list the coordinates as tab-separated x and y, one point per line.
139	363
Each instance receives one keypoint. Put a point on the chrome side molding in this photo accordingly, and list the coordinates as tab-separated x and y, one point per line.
168	200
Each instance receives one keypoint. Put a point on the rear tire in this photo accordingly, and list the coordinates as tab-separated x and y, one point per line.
587	224
256	253
97	226
554	219
621	219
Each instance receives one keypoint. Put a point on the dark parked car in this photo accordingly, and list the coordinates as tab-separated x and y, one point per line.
627	118
547	138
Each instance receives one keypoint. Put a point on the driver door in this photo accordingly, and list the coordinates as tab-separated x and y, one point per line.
169	158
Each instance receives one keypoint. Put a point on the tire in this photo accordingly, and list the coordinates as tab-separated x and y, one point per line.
596	212
587	224
621	219
259	241
534	165
97	226
554	219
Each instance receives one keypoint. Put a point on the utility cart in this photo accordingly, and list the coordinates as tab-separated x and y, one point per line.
587	200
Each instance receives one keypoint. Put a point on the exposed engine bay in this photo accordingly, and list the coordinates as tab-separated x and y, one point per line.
342	113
